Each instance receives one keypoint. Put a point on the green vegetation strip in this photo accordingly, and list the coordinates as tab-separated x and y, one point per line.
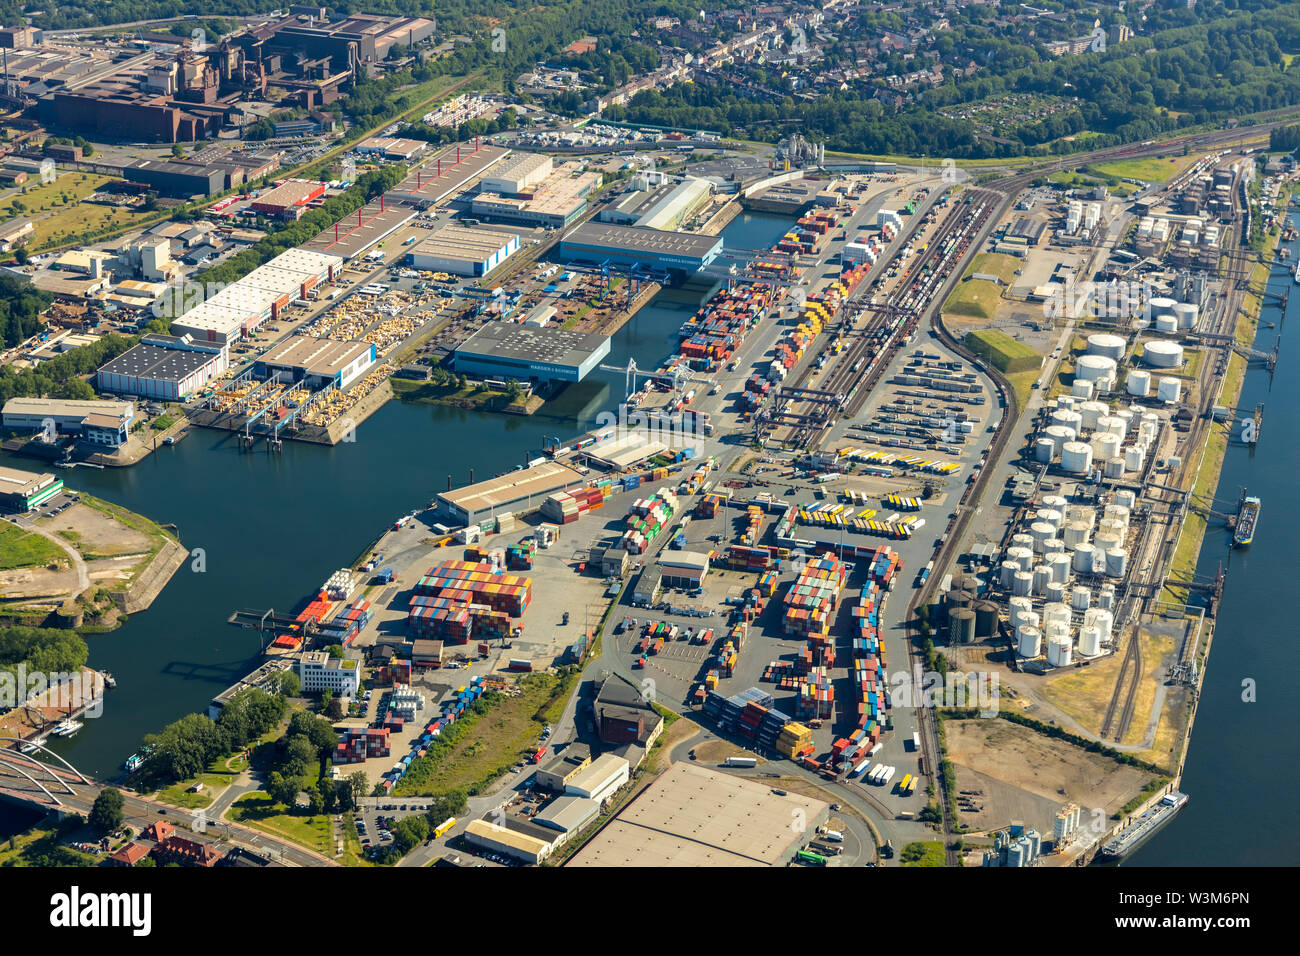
26	549
928	853
1002	351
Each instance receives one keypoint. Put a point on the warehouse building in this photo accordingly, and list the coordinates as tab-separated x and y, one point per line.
509	350
518	174
684	569
317	362
556	203
599	780
393	149
678	205
103	422
449	172
517	492
163	367
463	251
555	774
629	245
568	815
243	306
624	716
354	234
289	199
179	180
511	842
693	816
21	491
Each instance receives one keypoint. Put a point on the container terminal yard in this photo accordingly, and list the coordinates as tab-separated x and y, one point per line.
734	544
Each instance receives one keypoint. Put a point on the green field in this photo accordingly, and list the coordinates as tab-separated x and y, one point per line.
1006	354
1153	170
922	854
258	811
995	264
974	298
23	549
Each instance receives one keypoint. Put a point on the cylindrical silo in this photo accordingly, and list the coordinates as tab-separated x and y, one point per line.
1093	368
1166	324
1017	608
1089	641
1022	584
1059	434
1041	531
1076	457
1044	450
986	619
1106	597
1059	652
1067	418
1113	468
1082	389
1111	424
1162	305
961	626
1055	591
1059	564
1104	343
1022	556
1075	533
1042	574
1105	445
1091	412
1052	545
1186	313
1083	558
1116	562
1133	458
1139	383
1029	642
1022	539
1056	613
1126	498
1161	353
1080	599
1051	516
1006	572
1169	390
1104	541
1056	502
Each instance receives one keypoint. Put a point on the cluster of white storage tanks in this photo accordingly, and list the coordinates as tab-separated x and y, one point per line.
1058	547
1070	419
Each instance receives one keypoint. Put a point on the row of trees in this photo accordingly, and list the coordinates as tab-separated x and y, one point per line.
44	650
60	376
184	748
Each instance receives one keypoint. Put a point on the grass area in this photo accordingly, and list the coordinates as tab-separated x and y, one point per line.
26	549
258	811
488	745
976	298
1006	354
409	390
1155	647
352	849
36	197
997	264
1156	169
83	219
928	853
1022	383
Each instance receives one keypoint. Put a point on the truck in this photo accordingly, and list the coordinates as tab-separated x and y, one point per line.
740	762
916	741
833	836
385	576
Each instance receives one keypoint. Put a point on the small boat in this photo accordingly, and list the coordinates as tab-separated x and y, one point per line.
67	727
32	745
169	440
133	763
109	680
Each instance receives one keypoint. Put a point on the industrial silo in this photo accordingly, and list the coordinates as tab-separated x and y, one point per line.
1169	390
1113	468
1060	652
1133	457
1080	598
1138	383
1082	389
986	619
1022	585
1186	313
1044	450
1105	445
1029	642
1107	345
1041	575
1059	566
1083	558
961	626
1161	353
1075	533
1089	640
1116	562
1091	412
1076	457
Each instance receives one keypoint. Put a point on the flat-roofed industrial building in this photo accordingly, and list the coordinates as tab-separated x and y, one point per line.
450	171
518	174
21	491
630	245
289	195
463	251
68	415
512	842
693	816
510	350
517	492
317	362
600	779
556	202
163	367
568	814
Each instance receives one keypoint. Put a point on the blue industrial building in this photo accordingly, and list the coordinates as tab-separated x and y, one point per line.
627	246
506	350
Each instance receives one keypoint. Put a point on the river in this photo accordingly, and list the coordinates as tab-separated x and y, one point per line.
274	527
1232	818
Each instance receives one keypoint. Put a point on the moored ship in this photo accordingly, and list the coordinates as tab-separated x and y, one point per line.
1137	833
1247	518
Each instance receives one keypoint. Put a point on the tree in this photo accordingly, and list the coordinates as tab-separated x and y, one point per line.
178	150
106	814
289	684
446	805
315	801
282	789
359	785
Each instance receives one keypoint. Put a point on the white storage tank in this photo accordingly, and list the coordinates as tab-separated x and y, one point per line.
1059	563
1162	354
1089	641
1106	344
1083	558
1092	413
1041	531
1055	589
1113	468
1133	458
1059	652
1075	533
1187	313
1167	324
1101	619
1027	619
1139	383
1081	389
1092	368
1022	539
1105	541
1147	431
1169	390
1022	584
1162	305
1051	516
1126	498
1029	642
1053	546
1126	416
1113	527
1056	614
1106	599
1080	598
1111	424
1116	562
1024	557
1054	501
1105	445
1006	571
1059	434
1044	450
1076	457
1067	417
1017	607
1042	574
